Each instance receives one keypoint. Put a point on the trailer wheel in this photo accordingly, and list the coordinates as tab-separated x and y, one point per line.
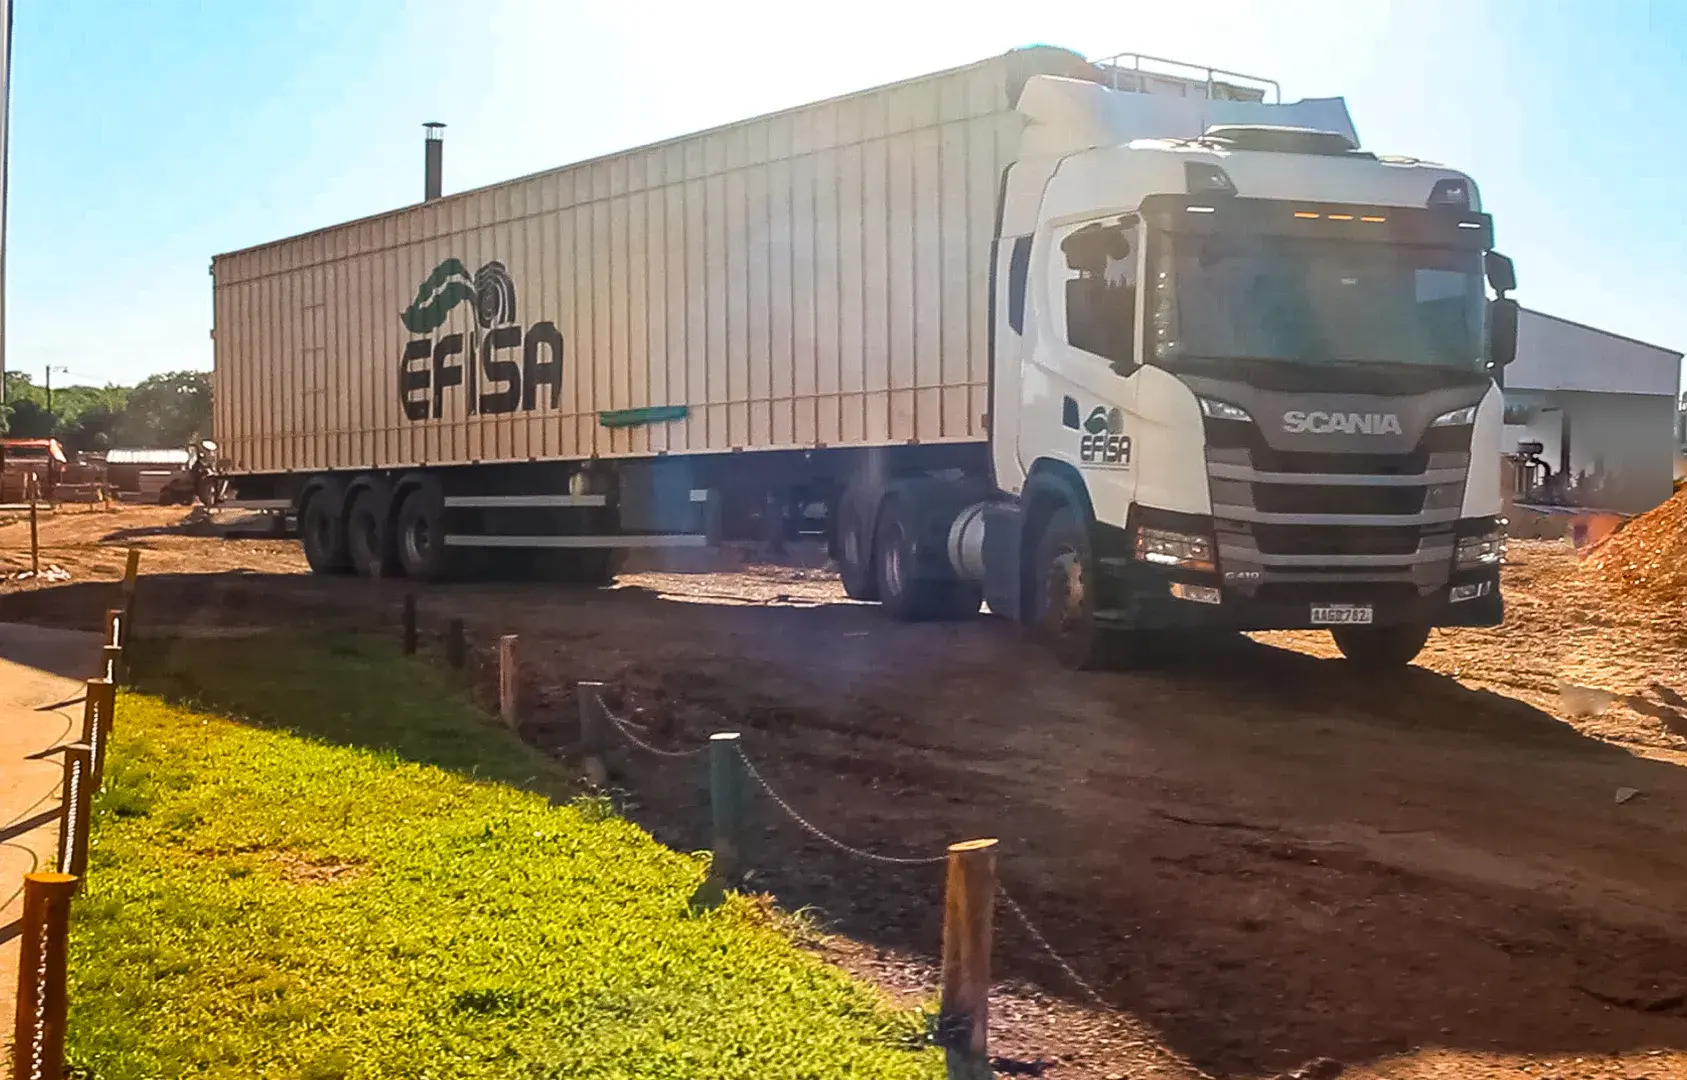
1379	648
907	590
1063	602
368	536
322	530
421	533
855	557
898	588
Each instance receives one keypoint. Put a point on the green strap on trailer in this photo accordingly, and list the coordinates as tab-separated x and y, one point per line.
650	414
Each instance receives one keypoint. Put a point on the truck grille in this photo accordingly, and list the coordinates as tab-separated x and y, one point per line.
1400	536
1332	499
1265	459
1337	539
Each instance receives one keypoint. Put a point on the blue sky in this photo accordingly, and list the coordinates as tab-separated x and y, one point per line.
149	136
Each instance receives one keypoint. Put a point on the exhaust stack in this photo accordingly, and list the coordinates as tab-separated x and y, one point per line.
433	164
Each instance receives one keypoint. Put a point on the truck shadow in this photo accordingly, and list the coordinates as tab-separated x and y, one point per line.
1256	924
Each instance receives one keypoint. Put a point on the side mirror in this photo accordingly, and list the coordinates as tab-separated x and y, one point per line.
1502	275
1502	332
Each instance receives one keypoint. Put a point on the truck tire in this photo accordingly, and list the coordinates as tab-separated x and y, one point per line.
420	537
322	530
855	556
369	533
1380	648
908	591
1063	598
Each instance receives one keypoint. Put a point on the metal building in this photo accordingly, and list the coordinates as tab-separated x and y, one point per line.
1602	409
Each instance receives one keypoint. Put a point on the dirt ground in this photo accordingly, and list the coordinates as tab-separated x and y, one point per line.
1264	864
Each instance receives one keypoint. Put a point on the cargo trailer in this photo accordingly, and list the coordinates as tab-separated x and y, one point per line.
1117	348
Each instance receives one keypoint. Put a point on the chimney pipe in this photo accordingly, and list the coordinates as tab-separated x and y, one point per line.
433	177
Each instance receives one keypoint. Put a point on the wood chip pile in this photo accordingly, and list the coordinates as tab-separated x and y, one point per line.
1647	556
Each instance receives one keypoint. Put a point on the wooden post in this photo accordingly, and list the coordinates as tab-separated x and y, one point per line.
509	681
594	733
114	626
98	710
34	529
112	662
131	582
727	804
964	1012
38	1042
78	796
456	645
409	624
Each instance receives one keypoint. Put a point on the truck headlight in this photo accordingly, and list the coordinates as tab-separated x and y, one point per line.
1457	418
1488	549
1223	410
1163	547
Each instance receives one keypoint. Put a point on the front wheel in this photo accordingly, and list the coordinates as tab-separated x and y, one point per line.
1378	648
1064	596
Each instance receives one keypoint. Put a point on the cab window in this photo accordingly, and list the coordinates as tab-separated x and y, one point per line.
1100	263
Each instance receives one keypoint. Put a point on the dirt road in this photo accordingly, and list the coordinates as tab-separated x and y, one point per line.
1261	862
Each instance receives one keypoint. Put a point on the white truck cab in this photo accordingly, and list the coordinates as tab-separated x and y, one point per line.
1244	377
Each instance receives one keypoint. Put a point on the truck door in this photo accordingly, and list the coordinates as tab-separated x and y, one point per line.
1079	397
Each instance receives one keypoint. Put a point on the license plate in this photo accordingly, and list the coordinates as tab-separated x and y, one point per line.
1340	614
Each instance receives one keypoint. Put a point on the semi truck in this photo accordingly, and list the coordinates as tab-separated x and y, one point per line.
1117	349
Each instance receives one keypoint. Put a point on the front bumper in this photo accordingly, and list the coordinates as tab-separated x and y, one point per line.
1138	595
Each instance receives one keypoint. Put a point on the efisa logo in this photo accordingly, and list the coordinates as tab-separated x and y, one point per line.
1103	441
499	367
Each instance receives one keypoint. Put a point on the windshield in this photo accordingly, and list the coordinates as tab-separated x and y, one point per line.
1314	301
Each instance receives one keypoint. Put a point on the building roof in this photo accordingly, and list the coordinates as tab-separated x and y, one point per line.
146	457
1557	354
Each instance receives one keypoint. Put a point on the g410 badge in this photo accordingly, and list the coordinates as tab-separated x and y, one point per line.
1103	442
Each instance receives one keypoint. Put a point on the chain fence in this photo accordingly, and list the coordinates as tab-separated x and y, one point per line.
1043	943
626	731
623	726
814	830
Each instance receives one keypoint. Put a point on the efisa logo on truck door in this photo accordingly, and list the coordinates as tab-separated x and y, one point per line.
498	368
1104	441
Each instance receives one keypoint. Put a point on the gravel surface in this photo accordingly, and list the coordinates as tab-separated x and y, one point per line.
1265	864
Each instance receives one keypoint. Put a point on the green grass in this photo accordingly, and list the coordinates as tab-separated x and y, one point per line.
301	896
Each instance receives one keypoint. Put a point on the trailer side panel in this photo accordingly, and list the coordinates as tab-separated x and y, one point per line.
818	277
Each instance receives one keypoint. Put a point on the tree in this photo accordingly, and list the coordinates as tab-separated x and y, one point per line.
93	429
171	409
29	419
20	388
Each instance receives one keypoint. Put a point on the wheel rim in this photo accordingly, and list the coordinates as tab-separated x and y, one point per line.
892	556
1067	592
416	545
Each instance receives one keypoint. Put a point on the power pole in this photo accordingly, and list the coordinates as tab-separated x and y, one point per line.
50	370
5	169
